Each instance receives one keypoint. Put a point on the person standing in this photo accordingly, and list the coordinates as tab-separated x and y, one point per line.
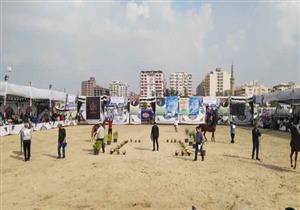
62	143
26	135
100	135
176	126
255	140
232	131
94	131
110	121
199	143
154	136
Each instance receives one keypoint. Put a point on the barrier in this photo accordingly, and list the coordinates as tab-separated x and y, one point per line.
15	129
4	130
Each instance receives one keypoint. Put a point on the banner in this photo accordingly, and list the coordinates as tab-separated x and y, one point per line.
93	108
135	111
147	112
195	113
167	110
209	101
184	106
117	109
241	113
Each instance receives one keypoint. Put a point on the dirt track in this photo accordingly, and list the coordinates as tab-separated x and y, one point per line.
143	179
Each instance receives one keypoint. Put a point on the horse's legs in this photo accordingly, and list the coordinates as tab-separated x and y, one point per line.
291	157
296	154
204	135
213	136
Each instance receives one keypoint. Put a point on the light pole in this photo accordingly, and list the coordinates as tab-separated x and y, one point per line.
50	102
6	78
30	99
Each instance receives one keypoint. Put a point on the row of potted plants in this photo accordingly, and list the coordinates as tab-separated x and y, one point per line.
184	150
118	147
107	140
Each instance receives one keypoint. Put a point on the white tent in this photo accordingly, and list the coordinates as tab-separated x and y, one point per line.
30	92
283	96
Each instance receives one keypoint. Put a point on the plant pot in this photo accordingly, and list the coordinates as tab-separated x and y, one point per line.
96	151
124	152
167	140
130	140
186	140
190	143
174	140
108	142
115	140
139	140
112	151
171	141
203	153
118	152
182	153
176	153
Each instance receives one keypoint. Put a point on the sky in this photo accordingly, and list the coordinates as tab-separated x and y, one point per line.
65	42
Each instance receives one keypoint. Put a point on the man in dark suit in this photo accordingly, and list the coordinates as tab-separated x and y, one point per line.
61	141
154	136
255	140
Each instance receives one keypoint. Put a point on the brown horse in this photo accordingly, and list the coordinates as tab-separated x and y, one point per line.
295	143
209	128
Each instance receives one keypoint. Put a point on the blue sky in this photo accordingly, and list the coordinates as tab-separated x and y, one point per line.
63	43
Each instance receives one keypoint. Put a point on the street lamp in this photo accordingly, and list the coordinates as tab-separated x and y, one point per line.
50	102
30	98
6	78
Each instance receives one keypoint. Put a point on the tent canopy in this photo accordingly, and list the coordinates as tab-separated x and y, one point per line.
31	92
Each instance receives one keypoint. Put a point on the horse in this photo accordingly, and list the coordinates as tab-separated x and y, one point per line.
295	143
209	128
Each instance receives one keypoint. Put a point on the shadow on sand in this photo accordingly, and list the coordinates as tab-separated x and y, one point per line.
142	148
265	165
90	151
17	157
185	158
50	155
236	156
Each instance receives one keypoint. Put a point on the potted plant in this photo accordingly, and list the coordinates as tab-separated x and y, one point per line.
115	135
97	147
186	140
193	138
107	139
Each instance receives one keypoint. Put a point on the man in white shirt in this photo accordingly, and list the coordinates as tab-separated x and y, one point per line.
26	134
100	135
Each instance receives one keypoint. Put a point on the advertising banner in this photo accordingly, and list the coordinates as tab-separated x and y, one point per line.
117	109
167	110
195	113
93	108
135	111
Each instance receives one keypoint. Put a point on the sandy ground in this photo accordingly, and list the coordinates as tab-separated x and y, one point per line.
143	179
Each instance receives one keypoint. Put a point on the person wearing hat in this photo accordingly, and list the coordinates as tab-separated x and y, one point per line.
26	135
62	143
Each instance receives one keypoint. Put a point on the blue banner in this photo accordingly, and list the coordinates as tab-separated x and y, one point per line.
172	106
194	105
